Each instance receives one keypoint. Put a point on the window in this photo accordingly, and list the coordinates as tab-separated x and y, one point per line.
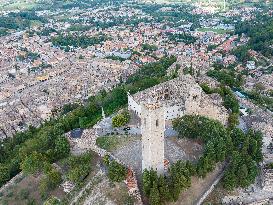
195	97
156	123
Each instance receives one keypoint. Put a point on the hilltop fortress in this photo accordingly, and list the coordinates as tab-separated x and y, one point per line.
162	103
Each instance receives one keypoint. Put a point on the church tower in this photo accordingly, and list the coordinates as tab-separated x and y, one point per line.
152	129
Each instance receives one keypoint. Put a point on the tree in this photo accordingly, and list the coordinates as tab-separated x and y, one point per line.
121	119
164	190
79	167
33	163
116	171
154	198
242	174
147	183
106	160
78	173
230	102
62	147
205	87
233	120
4	174
49	182
54	177
229	180
220	149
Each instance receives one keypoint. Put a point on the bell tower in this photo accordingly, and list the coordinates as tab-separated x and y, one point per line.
152	129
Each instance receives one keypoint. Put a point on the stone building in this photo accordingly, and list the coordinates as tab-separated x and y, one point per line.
180	96
153	127
162	103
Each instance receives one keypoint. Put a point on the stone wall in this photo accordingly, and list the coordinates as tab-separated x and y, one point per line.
180	96
211	106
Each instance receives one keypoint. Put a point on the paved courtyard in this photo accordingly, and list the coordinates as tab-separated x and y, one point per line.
174	150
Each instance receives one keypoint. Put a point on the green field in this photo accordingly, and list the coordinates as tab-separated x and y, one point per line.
111	143
218	31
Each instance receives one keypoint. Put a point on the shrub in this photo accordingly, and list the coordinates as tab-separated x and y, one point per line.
33	163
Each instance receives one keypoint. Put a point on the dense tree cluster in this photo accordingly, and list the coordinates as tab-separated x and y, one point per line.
260	31
32	149
117	58
67	41
150	74
3	32
160	189
241	152
244	159
51	179
178	14
225	77
68	108
242	54
46	31
84	4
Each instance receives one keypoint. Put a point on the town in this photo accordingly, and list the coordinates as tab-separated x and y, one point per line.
97	93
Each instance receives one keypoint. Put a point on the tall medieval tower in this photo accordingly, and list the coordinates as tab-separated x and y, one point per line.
152	129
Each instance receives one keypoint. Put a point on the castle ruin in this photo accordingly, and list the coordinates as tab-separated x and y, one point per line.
158	105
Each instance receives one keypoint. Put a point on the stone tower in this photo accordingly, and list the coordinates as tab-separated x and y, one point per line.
152	129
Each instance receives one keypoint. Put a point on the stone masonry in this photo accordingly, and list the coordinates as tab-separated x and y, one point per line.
180	96
152	128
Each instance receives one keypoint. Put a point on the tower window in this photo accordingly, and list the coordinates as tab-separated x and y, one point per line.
156	123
